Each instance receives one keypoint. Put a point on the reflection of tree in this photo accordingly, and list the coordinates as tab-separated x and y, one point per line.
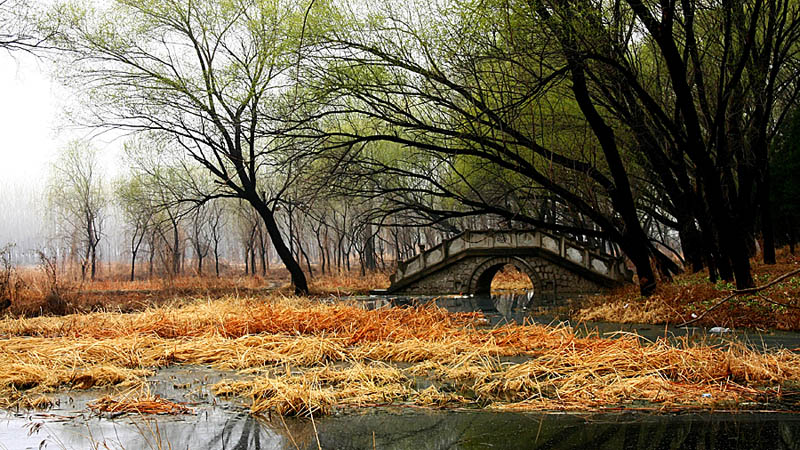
481	429
217	429
427	429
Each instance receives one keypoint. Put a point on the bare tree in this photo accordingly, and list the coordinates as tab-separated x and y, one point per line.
77	199
137	212
208	78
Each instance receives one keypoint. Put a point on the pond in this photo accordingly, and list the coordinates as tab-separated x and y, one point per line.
221	424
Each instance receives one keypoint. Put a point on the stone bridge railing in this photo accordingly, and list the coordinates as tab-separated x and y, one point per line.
603	264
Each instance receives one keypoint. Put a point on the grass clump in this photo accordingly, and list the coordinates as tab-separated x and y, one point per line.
138	401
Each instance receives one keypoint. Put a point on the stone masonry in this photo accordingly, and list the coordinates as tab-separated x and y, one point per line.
558	268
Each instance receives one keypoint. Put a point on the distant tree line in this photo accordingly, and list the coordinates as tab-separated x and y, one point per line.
167	230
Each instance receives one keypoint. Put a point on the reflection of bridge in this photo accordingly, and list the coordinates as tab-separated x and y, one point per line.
558	267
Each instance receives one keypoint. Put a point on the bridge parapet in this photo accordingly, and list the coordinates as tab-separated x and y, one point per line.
558	247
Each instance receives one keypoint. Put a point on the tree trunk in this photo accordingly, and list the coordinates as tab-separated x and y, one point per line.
305	257
176	261
216	257
640	257
94	262
369	249
253	259
298	277
150	261
767	227
635	242
133	266
712	267
691	244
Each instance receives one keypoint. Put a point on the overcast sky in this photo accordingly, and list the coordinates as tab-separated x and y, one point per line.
32	130
28	116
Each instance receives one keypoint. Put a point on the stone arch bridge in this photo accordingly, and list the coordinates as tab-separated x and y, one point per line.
558	267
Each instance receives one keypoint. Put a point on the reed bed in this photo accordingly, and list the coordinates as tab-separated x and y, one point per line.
302	357
690	295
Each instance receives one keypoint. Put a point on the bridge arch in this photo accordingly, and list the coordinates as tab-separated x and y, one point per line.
480	282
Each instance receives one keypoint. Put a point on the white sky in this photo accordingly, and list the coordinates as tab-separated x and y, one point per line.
32	129
29	108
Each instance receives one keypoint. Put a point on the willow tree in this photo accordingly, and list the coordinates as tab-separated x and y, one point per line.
589	103
19	28
476	96
207	78
77	200
702	87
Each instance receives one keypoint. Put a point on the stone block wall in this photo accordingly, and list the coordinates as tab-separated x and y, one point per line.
552	282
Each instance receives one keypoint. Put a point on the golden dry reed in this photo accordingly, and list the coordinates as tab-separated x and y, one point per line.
690	295
298	357
148	404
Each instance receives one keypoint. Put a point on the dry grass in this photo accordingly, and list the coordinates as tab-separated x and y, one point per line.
300	357
138	401
689	294
115	292
35	297
347	283
509	278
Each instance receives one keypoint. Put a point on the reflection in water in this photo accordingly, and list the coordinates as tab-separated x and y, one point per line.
387	428
214	428
480	429
231	428
523	306
498	307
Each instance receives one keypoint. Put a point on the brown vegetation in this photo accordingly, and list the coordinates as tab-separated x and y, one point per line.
138	403
39	291
299	356
346	283
509	278
689	295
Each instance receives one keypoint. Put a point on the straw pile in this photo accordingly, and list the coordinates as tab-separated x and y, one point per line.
138	402
298	357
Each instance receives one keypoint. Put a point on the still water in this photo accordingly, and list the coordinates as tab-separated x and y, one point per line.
392	428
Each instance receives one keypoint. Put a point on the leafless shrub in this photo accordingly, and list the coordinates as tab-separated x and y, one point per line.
10	282
56	291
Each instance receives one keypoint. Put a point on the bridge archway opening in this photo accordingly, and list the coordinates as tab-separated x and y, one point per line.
510	278
506	273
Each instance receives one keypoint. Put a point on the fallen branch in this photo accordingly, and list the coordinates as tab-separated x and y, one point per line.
769	300
739	292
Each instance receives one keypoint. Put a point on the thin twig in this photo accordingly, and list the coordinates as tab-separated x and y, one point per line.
739	292
769	300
